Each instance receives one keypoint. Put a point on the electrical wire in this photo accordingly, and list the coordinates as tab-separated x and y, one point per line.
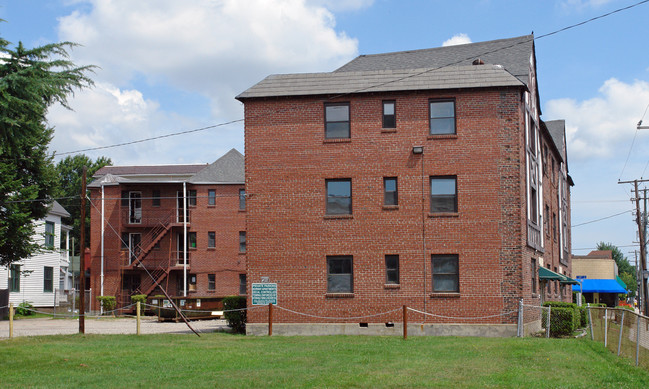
361	89
600	219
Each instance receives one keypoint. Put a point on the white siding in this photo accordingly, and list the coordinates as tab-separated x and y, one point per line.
31	284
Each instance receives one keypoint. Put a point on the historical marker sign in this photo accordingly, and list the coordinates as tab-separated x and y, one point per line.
264	293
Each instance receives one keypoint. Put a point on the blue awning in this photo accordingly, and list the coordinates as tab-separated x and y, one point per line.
598	286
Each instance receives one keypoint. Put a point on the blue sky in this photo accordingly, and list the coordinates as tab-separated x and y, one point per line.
167	66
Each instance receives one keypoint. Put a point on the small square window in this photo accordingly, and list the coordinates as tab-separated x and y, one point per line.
340	274
242	199
337	120
389	114
211	282
390	191
339	196
242	241
391	269
211	239
443	194
442	117
211	197
445	273
155	198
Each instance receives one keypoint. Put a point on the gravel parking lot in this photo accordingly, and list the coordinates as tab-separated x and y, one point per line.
107	325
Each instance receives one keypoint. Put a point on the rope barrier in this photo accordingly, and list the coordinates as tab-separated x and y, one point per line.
337	318
462	318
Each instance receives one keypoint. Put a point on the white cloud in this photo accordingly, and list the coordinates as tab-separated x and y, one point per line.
342	5
457	39
604	125
214	49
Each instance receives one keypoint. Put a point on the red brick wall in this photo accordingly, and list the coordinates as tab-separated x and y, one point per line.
289	236
224	218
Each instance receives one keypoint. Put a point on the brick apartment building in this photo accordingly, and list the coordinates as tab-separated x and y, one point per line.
422	178
145	210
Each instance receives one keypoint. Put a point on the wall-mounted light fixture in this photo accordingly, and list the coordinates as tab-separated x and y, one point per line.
418	149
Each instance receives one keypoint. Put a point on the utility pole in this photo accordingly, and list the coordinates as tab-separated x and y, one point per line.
82	257
643	246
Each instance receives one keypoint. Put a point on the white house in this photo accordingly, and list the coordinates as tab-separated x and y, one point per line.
36	279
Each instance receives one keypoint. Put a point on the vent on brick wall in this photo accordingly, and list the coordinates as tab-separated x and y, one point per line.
389	324
363	325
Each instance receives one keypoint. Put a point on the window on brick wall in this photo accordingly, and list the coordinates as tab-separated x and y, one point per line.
534	212
211	282
391	269
242	241
340	276
48	279
337	121
554	226
443	194
155	198
546	220
339	196
389	114
390	191
534	274
211	239
211	197
49	235
442	117
191	198
446	274
242	199
242	284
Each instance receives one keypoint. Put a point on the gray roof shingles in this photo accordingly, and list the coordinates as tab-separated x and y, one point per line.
506	61
229	169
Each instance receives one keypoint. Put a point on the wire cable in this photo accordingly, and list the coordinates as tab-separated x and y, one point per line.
600	219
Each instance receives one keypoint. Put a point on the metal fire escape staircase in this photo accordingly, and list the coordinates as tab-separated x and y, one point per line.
156	270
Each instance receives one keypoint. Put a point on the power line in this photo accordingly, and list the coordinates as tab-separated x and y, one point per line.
600	219
362	89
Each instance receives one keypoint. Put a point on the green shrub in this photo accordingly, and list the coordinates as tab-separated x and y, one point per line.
236	319
108	302
576	317
141	298
562	321
24	309
583	316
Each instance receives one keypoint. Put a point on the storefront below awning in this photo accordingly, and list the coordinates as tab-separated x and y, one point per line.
549	275
599	286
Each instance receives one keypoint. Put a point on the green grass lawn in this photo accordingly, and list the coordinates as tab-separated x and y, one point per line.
232	361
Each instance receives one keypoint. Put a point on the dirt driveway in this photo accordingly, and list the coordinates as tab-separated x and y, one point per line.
149	325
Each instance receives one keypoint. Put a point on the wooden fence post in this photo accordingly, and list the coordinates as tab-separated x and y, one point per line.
405	322
270	319
138	317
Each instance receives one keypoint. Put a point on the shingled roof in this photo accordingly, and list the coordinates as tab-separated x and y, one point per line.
506	63
229	169
557	130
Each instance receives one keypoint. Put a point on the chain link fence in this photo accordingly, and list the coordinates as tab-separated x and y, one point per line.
622	331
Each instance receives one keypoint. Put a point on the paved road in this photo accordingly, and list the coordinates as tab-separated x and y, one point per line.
149	325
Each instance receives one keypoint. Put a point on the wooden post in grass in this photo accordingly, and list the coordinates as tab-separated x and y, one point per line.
11	320
605	327
138	317
270	319
405	322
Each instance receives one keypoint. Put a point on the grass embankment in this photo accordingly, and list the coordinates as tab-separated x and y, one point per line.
229	361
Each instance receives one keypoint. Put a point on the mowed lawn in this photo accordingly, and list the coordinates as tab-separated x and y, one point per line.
233	361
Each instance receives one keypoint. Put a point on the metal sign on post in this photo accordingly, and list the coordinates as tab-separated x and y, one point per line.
264	293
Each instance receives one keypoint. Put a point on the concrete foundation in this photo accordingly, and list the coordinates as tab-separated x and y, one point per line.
313	329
